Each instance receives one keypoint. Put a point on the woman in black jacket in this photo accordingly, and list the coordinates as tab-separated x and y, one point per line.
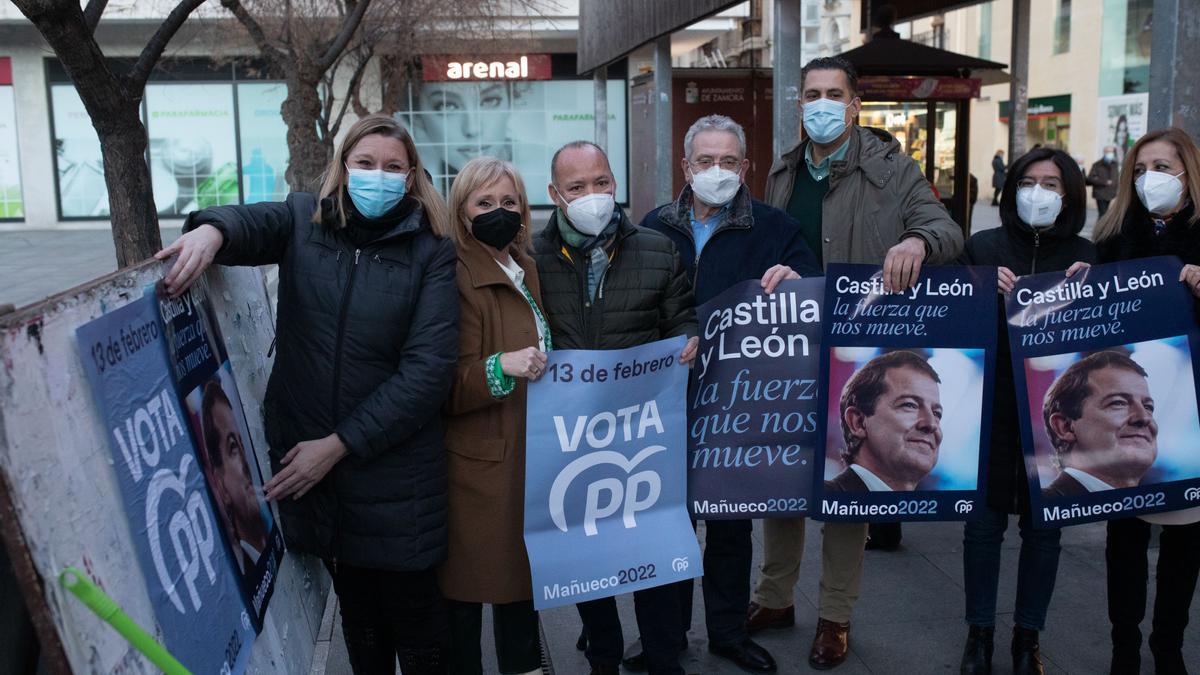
367	343
1154	213
1042	210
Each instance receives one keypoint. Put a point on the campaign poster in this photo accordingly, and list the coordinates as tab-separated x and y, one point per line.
1106	390
207	390
191	580
752	406
907	396
606	474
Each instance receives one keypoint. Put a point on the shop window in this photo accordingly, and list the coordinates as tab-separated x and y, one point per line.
81	189
263	135
11	206
985	31
523	122
193	149
1062	28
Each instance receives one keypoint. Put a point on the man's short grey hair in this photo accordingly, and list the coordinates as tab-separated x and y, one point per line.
714	123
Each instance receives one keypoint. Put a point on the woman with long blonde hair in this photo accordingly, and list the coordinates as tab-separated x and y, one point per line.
367	328
1154	213
502	346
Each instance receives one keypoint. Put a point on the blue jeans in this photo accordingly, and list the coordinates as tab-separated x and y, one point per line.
1035	572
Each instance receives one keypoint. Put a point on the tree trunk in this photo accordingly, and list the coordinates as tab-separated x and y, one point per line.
130	195
308	153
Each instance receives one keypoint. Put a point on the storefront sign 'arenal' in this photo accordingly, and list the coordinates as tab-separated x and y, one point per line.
490	67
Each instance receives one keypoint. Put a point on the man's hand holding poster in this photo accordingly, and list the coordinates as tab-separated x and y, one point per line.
752	423
906	394
605	476
178	538
1106	388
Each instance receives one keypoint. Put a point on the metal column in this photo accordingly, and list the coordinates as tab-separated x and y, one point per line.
1175	95
1018	89
600	79
663	159
786	43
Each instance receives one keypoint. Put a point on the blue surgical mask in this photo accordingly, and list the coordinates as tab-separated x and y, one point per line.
824	120
375	191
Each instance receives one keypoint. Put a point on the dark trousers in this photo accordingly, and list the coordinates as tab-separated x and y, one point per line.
1101	207
1036	570
658	613
996	197
388	615
728	553
514	627
1128	570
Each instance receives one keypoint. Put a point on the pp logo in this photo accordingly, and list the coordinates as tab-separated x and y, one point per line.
608	495
964	506
679	564
1192	494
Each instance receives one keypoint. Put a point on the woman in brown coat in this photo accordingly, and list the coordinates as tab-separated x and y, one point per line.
503	340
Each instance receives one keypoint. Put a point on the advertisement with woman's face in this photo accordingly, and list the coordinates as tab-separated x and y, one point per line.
523	122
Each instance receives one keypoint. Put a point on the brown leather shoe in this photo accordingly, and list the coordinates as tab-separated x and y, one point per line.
763	618
830	646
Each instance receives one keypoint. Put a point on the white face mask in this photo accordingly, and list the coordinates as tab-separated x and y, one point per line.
590	214
1038	207
715	186
1160	192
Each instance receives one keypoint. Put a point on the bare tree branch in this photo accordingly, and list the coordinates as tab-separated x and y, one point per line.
158	42
349	26
92	13
352	88
252	27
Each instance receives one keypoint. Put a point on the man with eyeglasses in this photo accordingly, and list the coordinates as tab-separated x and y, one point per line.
725	237
858	199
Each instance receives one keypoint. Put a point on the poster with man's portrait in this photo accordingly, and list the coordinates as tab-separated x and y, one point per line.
207	390
906	394
1107	391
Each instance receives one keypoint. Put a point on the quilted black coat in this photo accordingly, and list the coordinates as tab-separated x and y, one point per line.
367	343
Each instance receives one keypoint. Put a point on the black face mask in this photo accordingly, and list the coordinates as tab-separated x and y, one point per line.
496	228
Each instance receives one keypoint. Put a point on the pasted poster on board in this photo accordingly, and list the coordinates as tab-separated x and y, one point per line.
192	582
752	407
907	393
1106	390
206	388
606	474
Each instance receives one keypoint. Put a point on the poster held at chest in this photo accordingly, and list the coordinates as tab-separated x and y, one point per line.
206	388
907	394
1106	391
605	474
192	582
753	414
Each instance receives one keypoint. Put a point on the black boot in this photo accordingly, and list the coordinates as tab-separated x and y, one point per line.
977	655
1026	653
1126	650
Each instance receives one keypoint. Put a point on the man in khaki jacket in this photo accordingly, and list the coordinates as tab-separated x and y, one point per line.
858	199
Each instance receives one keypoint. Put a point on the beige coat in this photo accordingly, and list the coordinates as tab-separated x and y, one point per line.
876	195
486	559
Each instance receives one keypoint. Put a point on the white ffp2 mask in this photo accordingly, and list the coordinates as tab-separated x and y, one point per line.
715	186
1038	207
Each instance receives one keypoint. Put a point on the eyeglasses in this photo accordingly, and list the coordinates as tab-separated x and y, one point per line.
706	163
1052	184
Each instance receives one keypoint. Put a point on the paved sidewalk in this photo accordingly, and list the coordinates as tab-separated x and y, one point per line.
908	621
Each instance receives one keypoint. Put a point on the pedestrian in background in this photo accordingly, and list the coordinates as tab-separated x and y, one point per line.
367	339
503	340
1042	211
1103	179
1154	213
998	171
